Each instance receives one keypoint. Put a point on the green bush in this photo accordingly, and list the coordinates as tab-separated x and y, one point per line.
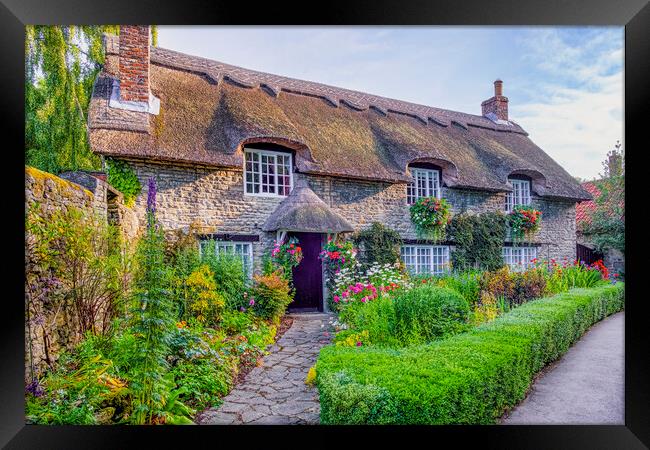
470	378
229	275
270	296
428	312
377	317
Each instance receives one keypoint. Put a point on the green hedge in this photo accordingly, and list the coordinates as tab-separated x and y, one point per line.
470	378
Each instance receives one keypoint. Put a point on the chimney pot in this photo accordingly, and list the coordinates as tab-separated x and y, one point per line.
498	88
496	108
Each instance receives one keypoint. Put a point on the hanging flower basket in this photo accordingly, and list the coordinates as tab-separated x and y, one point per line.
524	221
287	254
431	216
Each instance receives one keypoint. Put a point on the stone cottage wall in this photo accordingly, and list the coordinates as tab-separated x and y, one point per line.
213	200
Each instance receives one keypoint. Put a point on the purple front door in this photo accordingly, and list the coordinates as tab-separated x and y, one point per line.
308	275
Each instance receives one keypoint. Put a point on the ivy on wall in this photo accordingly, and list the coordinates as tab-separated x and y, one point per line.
122	177
479	240
378	244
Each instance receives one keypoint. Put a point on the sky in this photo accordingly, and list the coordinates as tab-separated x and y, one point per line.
564	84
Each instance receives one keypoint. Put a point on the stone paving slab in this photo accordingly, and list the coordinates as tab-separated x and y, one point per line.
276	393
586	386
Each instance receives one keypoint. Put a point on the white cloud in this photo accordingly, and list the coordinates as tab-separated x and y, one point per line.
575	115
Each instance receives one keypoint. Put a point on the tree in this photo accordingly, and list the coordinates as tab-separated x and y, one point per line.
61	65
606	227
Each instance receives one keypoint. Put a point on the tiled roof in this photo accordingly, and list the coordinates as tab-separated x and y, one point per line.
586	208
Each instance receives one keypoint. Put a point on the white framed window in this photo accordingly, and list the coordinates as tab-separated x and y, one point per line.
242	249
520	194
426	183
267	173
426	259
519	258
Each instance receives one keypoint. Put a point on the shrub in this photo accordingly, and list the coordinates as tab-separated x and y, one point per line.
484	311
377	318
378	244
427	312
467	284
229	276
270	296
470	378
203	302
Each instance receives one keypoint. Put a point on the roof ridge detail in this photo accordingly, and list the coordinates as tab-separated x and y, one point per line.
360	101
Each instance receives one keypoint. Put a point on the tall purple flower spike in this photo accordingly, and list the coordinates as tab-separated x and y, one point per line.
151	196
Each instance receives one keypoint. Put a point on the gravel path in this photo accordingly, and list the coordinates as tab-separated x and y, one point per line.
586	386
276	393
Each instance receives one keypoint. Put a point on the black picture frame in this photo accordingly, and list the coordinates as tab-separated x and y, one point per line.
633	14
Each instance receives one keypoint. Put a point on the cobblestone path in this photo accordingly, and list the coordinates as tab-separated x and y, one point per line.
276	393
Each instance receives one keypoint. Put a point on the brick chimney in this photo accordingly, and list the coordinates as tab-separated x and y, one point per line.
496	108
135	41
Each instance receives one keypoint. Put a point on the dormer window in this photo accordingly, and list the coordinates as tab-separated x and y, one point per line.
267	173
426	183
520	194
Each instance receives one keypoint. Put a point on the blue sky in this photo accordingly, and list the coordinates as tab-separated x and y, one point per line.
565	84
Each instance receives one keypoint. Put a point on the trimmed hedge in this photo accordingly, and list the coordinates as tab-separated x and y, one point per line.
470	378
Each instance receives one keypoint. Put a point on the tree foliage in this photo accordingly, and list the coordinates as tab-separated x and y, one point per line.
61	63
606	227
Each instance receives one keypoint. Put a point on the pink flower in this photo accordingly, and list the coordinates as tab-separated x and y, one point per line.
358	343
252	302
345	293
336	299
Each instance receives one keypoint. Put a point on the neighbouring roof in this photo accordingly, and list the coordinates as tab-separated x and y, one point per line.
585	209
210	110
304	211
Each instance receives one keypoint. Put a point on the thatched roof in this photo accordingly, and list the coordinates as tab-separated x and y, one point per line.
210	110
304	211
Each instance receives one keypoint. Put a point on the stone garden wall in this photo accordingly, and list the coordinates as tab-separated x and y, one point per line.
51	325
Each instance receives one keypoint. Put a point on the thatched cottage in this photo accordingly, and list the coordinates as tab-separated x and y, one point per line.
252	156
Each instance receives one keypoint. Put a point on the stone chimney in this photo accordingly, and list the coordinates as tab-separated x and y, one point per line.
496	108
131	88
135	41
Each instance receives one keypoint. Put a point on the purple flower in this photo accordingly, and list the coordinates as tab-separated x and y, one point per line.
151	196
35	389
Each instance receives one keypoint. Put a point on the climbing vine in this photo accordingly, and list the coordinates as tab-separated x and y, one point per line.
478	239
378	244
122	177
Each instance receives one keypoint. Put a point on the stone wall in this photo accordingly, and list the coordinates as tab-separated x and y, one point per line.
213	200
50	322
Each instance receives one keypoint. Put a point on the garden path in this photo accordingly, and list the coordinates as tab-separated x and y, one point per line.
586	386
276	393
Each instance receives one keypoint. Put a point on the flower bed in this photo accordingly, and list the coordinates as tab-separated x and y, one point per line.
470	378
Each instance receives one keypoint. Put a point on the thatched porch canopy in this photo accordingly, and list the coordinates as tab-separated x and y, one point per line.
303	211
